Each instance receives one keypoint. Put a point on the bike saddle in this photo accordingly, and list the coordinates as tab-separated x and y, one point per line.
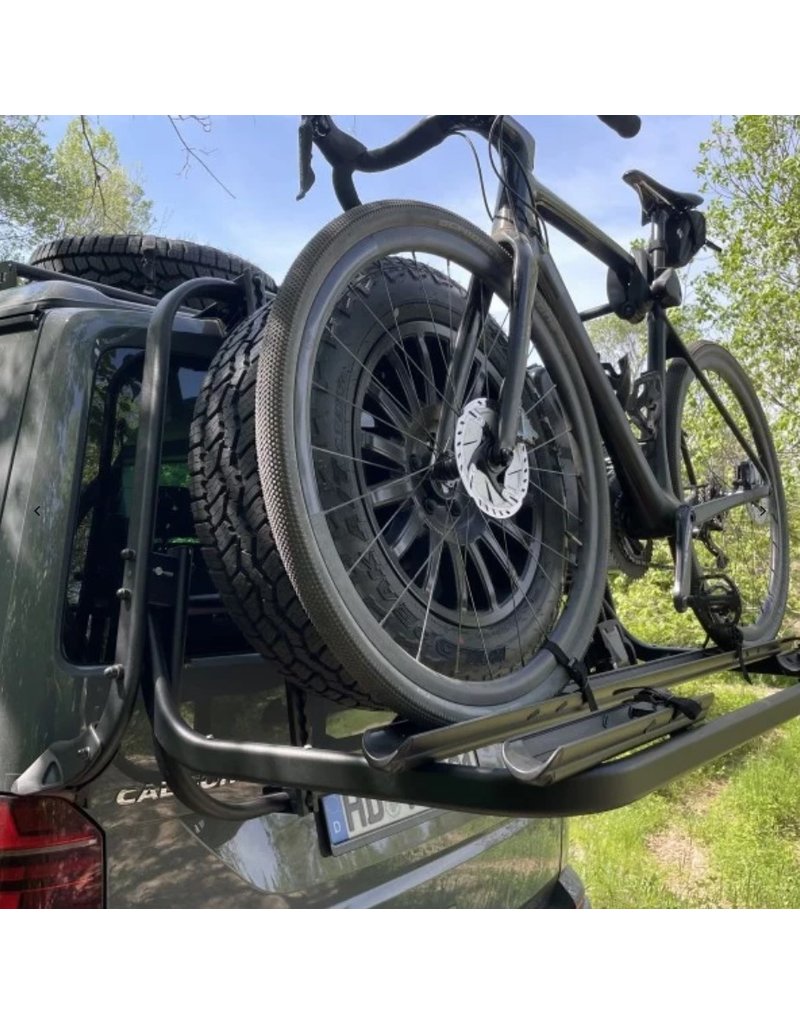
652	195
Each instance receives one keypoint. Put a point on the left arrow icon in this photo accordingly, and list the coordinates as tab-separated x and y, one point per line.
36	510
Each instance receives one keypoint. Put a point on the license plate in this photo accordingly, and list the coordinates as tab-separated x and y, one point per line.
354	820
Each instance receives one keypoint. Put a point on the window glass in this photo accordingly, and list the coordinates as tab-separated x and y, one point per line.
106	493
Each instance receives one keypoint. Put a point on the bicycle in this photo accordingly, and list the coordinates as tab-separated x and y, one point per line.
443	484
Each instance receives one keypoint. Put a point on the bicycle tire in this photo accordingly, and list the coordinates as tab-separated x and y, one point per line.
344	568
754	538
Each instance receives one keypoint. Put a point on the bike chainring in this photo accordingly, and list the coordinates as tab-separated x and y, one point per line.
626	553
497	494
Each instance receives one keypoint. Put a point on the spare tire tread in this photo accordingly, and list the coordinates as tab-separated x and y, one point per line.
234	532
145	264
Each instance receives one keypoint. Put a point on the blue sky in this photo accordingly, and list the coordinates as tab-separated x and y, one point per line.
256	158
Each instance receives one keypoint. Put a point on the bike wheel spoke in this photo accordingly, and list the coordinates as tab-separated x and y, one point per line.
350	458
561	505
391	491
557	472
539	400
405	378
513	598
383	494
499	332
550	440
516	531
445	359
391	423
433	549
421	275
477	620
461	593
399	342
402	415
514	577
381	532
426	368
517	587
483	362
430	583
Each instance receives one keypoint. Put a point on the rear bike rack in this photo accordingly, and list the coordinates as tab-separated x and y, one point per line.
560	757
418	776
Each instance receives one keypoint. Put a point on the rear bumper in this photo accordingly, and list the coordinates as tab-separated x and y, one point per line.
568	893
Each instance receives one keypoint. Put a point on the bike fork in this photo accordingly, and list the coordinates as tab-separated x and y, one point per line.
473	325
523	293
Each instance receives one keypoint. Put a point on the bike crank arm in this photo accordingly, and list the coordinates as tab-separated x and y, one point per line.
684	530
705	511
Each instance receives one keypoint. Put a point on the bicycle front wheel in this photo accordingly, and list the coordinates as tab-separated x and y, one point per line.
433	580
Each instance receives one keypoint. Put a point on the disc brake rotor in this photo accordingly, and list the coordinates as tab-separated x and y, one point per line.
499	495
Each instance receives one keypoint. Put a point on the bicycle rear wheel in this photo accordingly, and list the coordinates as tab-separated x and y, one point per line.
435	584
745	550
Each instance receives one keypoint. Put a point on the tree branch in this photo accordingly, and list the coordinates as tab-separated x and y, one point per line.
97	178
193	154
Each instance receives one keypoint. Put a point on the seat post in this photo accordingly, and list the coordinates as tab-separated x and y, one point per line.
657	248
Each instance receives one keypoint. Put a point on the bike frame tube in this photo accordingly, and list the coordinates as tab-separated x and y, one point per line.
656	507
650	496
647	486
566	219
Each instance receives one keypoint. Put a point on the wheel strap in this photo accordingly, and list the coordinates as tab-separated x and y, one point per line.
576	670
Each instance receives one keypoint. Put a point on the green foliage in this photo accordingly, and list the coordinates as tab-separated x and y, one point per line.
751	300
98	193
28	185
614	339
78	188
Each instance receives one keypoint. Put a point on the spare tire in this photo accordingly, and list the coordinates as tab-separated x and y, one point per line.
235	534
145	263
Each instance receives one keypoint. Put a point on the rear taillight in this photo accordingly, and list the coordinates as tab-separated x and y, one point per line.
51	854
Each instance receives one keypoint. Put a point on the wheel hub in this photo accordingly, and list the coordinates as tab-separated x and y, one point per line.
497	493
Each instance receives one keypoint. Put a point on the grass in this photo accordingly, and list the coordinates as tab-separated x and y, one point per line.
727	835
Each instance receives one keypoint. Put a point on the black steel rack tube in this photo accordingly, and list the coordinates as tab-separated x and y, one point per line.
136	556
40	274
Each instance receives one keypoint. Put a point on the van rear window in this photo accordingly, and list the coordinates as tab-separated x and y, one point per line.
106	494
